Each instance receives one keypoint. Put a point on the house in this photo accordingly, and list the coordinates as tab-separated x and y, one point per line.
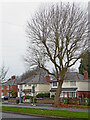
8	87
74	85
34	85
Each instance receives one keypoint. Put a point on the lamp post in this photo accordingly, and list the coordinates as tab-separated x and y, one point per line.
33	91
20	94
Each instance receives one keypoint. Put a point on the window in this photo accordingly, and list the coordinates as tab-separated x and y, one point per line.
61	95
72	94
29	85
54	83
7	87
2	87
25	85
73	83
35	85
7	94
65	94
2	94
20	86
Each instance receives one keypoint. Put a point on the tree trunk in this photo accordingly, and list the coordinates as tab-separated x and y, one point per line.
58	92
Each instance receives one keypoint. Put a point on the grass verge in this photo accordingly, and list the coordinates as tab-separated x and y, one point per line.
56	113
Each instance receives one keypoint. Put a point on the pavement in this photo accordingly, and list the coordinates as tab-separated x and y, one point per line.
45	106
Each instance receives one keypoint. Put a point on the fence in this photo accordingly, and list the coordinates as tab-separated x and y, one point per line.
75	101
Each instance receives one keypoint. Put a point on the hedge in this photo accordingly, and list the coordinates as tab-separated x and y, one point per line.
43	95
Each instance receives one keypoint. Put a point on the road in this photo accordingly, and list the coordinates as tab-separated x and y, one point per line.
11	116
47	107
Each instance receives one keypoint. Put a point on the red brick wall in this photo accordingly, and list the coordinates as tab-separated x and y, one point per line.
5	91
85	93
14	88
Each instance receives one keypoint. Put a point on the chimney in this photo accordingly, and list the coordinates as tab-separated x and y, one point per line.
85	74
13	77
48	78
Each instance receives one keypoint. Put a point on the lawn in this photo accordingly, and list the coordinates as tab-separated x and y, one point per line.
58	113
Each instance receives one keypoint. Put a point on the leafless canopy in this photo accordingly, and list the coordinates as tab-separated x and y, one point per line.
59	35
3	72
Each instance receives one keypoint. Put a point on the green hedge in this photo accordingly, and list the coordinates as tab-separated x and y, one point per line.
27	97
52	96
43	95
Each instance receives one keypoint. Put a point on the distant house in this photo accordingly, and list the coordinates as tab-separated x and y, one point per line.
74	85
8	87
34	85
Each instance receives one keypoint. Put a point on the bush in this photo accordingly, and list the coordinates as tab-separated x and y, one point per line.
52	96
43	95
66	101
87	101
27	97
14	94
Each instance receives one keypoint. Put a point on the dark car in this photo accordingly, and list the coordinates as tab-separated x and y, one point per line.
6	97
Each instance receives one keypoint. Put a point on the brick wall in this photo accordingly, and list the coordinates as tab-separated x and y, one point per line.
5	91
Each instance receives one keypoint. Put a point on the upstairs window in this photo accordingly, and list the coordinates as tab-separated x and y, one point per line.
20	86
7	87
54	83
2	88
73	83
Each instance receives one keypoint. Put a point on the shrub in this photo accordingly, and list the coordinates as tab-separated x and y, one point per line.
27	97
87	101
43	95
14	94
52	96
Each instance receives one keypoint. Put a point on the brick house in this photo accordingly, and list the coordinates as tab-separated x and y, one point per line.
74	85
8	87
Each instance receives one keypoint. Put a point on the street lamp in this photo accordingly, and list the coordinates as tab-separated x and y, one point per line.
33	91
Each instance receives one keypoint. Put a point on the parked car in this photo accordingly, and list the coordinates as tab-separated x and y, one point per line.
6	97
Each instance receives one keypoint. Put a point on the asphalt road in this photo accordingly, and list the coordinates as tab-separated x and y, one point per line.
47	107
11	116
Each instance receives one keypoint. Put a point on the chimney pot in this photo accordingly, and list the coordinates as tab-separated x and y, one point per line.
48	78
85	74
13	77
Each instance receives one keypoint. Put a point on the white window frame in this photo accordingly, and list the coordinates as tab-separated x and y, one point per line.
72	94
2	94
73	83
2	87
7	87
54	83
65	94
61	95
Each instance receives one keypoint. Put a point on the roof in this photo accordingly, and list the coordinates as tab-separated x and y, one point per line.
36	79
63	89
11	82
72	76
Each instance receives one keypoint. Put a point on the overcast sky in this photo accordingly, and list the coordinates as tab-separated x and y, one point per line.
13	17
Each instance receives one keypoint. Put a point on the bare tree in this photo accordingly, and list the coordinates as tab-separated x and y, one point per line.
57	35
3	73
